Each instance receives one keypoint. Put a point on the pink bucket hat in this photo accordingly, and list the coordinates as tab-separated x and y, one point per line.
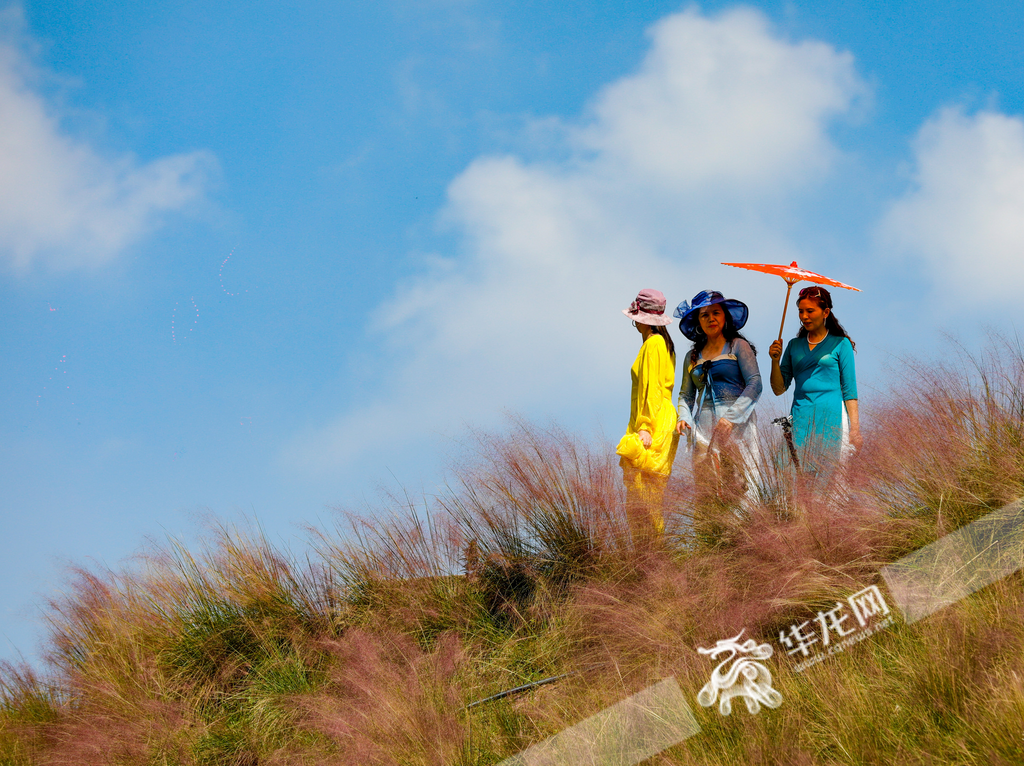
648	308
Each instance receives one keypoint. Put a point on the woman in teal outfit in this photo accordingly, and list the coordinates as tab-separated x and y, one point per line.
820	359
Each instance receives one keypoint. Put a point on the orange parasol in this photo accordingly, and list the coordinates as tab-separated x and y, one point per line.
792	274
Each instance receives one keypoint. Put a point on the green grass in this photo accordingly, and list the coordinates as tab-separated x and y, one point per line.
368	648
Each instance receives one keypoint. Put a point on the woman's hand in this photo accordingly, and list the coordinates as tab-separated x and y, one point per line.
856	439
775	350
645	439
681	426
723	429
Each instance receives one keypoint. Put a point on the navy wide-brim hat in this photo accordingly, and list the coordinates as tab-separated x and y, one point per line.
689	313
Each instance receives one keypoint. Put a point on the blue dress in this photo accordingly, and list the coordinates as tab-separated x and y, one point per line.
727	386
825	378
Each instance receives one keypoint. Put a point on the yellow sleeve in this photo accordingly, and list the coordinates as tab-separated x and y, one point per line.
652	369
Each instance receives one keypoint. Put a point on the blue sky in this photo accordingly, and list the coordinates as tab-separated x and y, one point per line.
265	258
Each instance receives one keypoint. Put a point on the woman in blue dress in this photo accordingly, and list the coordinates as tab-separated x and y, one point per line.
826	426
720	387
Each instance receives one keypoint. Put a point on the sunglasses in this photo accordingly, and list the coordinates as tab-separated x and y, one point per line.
813	292
818	293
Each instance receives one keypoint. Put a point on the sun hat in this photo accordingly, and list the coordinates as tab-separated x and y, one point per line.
689	313
648	308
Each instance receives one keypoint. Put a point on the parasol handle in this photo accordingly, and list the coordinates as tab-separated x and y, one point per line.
786	306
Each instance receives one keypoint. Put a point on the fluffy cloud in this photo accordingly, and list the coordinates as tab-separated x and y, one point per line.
964	216
61	201
673	169
722	101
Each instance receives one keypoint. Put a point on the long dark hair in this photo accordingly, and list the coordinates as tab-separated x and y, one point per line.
657	329
824	301
729	332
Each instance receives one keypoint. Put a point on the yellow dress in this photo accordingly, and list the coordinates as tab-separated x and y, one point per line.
645	470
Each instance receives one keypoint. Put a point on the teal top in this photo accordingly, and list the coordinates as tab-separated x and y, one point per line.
825	378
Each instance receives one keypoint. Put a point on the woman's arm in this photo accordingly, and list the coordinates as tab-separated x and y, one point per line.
779	379
848	387
687	395
653	359
851	412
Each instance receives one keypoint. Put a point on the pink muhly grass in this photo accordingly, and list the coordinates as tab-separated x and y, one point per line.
386	701
98	734
140	655
412	543
541	493
949	445
773	572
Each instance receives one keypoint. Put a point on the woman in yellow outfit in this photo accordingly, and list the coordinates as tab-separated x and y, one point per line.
649	446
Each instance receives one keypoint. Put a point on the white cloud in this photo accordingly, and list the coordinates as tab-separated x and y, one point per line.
964	216
722	101
674	169
62	202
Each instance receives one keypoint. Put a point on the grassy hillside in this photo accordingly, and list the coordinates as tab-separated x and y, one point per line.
368	649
